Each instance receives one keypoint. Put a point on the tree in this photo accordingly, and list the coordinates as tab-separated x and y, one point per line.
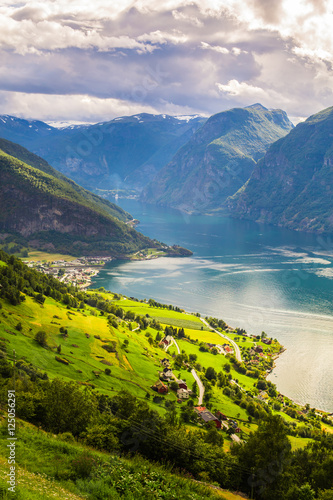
267	452
213	436
326	495
68	408
41	338
210	373
174	386
304	492
40	298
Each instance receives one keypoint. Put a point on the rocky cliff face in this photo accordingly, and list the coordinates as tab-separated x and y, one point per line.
292	185
218	159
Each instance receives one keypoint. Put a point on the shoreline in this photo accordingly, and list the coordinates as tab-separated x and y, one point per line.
95	270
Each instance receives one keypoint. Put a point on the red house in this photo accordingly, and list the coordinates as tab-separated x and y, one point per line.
160	387
182	384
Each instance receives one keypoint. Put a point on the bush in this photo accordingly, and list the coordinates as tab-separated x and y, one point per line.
41	338
83	466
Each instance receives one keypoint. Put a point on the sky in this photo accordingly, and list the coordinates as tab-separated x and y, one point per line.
91	61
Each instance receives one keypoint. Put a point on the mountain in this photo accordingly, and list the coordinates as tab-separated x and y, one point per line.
22	131
292	185
218	159
47	211
126	152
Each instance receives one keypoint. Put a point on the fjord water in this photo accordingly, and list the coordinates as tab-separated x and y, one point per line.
254	276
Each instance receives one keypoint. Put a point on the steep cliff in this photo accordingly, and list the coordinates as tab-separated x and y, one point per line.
292	185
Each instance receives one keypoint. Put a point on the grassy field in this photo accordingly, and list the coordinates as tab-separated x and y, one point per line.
135	370
45	470
36	255
165	316
299	442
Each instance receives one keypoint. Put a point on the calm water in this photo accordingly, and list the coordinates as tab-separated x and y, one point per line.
253	276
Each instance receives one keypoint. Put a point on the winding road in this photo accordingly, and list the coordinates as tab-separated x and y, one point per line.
173	342
200	386
235	346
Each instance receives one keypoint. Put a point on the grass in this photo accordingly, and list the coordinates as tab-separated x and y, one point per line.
165	316
135	370
298	442
205	336
35	255
44	471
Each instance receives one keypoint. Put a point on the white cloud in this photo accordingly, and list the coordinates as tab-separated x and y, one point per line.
243	89
277	52
82	108
216	48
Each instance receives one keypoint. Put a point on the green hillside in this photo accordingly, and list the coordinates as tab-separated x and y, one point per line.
84	364
291	186
47	211
84	196
218	159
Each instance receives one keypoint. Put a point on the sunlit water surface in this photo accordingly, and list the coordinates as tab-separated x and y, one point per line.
253	276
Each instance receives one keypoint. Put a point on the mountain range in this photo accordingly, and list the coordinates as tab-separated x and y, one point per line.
218	159
249	162
125	152
292	184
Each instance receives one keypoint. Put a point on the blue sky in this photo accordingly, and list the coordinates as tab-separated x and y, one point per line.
92	61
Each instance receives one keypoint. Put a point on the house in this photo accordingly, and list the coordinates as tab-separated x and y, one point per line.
160	387
165	362
258	349
237	430
182	384
263	396
221	416
182	394
199	409
166	374
207	417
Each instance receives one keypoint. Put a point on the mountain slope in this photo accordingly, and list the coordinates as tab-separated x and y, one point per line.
125	152
218	159
50	212
292	185
35	161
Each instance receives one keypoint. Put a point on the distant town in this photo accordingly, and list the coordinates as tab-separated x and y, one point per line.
78	272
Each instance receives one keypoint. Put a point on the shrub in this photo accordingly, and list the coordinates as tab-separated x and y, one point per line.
41	338
83	466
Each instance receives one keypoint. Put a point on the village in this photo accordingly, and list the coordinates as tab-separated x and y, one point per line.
78	272
167	378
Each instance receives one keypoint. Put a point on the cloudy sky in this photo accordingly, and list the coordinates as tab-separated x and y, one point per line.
91	61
